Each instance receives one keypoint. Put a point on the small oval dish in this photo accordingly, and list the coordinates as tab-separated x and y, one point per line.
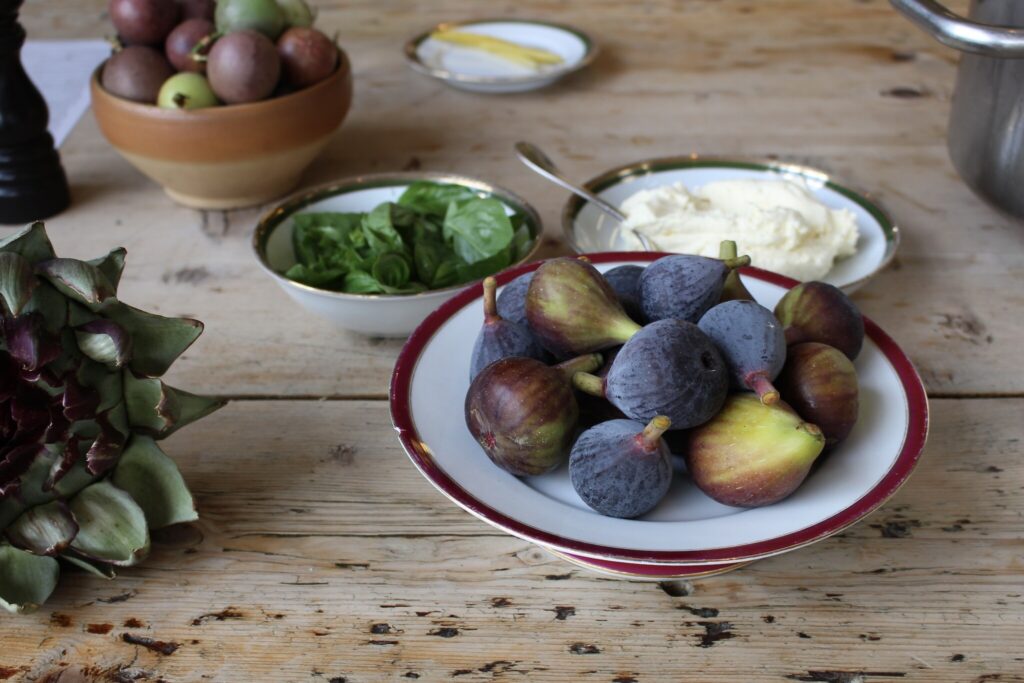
687	528
470	68
388	315
587	229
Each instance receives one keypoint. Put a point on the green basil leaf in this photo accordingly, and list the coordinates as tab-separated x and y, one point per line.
392	269
379	231
521	239
467	272
433	198
478	228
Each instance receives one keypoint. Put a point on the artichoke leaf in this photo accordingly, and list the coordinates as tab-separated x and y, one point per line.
104	571
111	265
10	509
79	315
51	304
112	527
157	340
155	482
159	410
31	242
17	281
35	481
44	530
78	281
26	580
104	341
28	342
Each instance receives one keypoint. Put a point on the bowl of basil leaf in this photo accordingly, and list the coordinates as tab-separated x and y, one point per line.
376	254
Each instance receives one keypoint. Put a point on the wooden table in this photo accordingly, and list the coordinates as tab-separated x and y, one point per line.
322	555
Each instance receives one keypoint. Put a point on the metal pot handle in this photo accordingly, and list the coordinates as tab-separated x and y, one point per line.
963	34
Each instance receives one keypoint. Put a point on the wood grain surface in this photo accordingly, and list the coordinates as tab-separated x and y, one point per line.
322	555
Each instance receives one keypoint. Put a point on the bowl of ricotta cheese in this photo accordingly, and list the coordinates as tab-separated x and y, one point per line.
789	219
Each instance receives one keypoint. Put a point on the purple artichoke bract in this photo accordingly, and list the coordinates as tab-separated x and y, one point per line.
82	478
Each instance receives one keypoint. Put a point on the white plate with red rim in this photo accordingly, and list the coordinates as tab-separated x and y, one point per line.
428	391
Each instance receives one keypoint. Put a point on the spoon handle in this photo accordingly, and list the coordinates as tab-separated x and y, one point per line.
532	156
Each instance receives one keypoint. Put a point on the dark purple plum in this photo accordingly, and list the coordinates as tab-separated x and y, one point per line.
523	413
572	309
668	368
512	300
820	312
625	280
751	342
683	286
621	468
733	289
499	338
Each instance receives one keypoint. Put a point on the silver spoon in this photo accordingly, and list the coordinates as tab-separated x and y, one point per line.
537	161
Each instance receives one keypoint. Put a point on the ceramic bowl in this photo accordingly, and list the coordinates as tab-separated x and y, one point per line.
370	314
231	156
477	71
588	229
687	528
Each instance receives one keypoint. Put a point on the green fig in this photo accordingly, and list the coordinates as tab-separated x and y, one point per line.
820	383
573	310
820	312
751	454
733	289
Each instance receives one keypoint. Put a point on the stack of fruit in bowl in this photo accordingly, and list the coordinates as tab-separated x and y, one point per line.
247	92
229	52
693	366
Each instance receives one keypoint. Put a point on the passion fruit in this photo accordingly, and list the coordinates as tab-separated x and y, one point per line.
243	66
136	73
186	91
143	22
253	15
307	56
182	40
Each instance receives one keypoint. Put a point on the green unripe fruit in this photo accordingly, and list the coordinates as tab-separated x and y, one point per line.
186	91
257	15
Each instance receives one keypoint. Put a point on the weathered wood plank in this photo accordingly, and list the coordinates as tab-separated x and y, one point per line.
322	554
846	86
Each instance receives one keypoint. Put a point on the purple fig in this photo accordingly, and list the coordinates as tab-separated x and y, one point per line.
572	309
751	454
625	281
621	468
819	312
523	413
820	383
684	286
512	300
669	368
751	342
733	289
500	338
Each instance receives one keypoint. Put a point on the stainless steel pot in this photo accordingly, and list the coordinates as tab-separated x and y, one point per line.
986	125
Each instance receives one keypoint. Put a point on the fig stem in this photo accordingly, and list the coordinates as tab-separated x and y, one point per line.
588	363
588	384
738	262
490	300
759	383
727	250
812	429
651	434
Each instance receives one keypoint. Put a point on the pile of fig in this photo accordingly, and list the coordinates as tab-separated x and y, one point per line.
622	373
193	54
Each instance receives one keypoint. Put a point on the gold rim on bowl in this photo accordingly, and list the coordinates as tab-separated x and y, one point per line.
615	176
300	200
412	55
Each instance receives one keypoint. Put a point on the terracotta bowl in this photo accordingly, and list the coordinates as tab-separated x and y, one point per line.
230	156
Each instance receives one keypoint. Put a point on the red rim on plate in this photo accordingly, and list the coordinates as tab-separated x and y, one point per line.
401	417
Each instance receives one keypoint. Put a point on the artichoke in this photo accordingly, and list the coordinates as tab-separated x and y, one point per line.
82	478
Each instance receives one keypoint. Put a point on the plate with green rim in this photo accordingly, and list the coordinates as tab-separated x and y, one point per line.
587	229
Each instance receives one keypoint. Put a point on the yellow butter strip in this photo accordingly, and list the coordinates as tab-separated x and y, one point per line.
528	56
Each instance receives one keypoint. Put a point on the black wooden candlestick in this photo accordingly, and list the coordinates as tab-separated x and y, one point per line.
32	182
